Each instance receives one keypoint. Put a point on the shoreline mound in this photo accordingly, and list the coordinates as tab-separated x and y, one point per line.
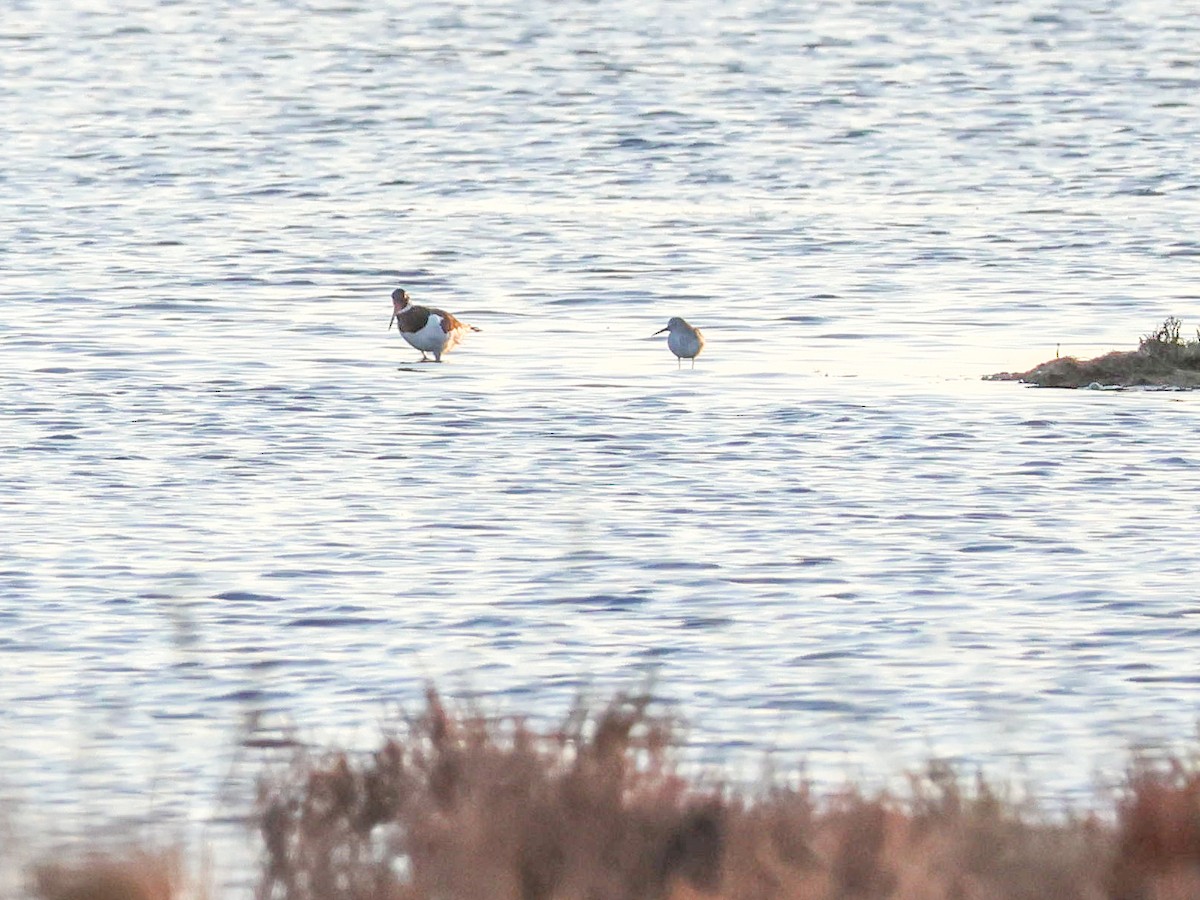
1162	360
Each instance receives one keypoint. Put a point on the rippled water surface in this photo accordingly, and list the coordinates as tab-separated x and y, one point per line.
229	497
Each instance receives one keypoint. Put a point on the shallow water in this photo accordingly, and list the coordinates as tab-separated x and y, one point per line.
231	501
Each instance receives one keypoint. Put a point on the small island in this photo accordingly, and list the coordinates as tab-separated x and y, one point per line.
1162	360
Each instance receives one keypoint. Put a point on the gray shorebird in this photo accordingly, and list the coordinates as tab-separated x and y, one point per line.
429	330
685	341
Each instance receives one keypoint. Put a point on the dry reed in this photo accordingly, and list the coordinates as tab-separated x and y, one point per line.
458	805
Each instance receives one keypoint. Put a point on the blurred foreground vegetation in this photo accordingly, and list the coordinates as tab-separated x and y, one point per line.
457	805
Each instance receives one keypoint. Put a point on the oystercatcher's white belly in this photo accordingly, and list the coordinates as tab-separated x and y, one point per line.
430	338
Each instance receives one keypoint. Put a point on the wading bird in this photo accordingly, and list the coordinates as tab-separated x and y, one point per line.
685	341
429	330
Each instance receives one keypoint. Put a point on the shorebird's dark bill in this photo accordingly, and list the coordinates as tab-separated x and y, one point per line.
391	320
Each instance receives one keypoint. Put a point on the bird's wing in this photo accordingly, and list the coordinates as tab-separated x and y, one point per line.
449	322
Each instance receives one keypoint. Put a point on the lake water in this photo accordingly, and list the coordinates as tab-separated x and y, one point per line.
229	499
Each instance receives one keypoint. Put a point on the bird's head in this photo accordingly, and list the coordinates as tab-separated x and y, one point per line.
399	302
672	324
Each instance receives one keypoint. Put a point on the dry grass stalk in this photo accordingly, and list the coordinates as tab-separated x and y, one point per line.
136	875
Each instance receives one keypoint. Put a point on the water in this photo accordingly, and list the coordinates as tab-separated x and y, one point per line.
230	499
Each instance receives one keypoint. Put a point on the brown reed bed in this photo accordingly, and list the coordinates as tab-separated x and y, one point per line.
458	805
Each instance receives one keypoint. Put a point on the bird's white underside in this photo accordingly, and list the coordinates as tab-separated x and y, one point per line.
431	338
